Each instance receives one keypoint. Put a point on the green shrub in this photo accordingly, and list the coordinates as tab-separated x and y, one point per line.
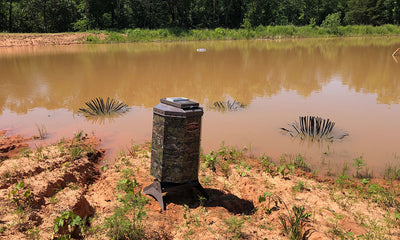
115	37
126	221
332	23
69	225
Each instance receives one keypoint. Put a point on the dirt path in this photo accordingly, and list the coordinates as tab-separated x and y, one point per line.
34	39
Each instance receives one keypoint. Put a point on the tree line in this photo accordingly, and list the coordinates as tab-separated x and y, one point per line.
82	15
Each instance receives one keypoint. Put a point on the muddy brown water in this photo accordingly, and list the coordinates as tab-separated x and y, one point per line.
354	82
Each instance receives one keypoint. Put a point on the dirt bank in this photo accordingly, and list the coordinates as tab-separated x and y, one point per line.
32	39
58	191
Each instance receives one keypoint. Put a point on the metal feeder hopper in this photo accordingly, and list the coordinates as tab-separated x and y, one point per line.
175	147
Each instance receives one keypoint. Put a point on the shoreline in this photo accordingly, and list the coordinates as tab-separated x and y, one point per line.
249	197
10	40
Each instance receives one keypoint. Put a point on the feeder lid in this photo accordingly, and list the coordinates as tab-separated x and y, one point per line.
178	107
179	102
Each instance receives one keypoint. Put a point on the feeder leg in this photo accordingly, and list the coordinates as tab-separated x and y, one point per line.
155	191
201	190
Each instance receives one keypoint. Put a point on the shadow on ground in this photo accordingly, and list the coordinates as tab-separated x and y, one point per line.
217	198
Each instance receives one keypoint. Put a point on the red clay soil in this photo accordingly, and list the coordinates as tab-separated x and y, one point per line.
65	177
11	145
35	39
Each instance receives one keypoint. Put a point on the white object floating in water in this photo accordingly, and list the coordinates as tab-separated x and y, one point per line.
201	50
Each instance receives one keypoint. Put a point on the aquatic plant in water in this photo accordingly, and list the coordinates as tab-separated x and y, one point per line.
314	128
227	106
97	109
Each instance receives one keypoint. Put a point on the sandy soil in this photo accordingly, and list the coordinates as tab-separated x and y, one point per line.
59	179
33	39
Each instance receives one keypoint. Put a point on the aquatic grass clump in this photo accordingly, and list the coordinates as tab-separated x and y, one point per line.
314	128
98	109
227	106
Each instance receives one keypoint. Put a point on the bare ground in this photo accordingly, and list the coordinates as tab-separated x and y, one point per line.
36	39
60	179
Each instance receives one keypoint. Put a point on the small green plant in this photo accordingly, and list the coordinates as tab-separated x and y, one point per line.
69	225
80	136
364	181
20	195
358	163
299	187
42	131
92	39
272	198
235	227
75	152
383	197
133	150
266	163
211	161
225	169
126	221
300	163
343	178
104	167
99	107
33	233
53	199
25	152
391	173
294	222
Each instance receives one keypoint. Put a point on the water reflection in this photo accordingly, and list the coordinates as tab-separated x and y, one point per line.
354	81
140	74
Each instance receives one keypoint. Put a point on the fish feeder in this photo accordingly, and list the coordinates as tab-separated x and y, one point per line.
175	147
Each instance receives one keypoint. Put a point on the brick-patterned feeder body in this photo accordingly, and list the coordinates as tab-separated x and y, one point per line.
175	147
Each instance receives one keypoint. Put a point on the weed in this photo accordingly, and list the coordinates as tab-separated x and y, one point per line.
382	196
80	136
25	152
42	131
69	225
133	150
33	233
235	227
93	39
20	195
343	178
225	169
391	173
299	187
271	199
53	199
267	164
211	161
358	163
104	167
126	221
294	222
300	163
98	108
75	152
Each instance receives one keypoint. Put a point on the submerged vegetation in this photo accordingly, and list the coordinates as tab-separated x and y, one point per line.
314	129
227	106
98	109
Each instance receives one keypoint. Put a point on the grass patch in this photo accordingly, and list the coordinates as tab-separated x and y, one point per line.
260	32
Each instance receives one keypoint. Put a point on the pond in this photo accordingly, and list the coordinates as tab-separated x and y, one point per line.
355	82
